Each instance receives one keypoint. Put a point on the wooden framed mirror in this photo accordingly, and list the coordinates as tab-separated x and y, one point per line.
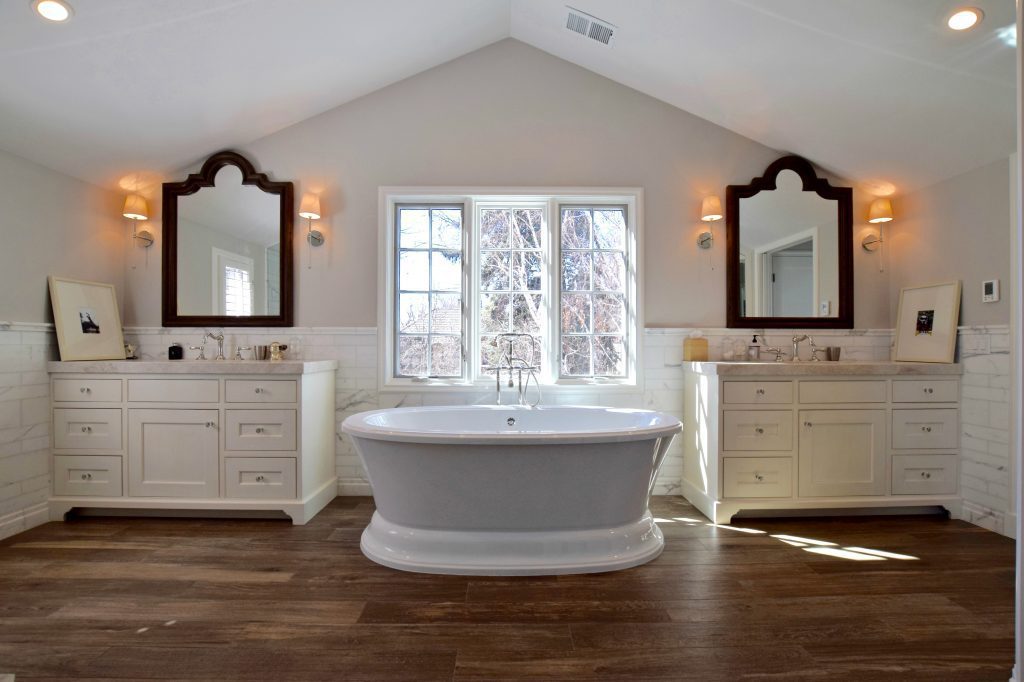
789	250
227	248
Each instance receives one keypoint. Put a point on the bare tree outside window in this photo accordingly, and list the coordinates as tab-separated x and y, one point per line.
429	292
593	291
512	291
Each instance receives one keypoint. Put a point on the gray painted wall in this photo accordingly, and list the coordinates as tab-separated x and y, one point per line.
956	229
51	224
511	115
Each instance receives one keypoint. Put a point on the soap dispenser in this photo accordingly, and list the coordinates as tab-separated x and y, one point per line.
754	350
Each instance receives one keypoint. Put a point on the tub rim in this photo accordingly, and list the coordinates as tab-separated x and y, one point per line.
355	425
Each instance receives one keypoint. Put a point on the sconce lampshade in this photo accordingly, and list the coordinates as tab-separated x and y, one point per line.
135	207
711	209
880	211
310	207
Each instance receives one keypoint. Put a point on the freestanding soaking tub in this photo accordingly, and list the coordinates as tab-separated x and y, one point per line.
503	490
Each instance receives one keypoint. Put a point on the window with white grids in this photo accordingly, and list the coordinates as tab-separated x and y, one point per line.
464	272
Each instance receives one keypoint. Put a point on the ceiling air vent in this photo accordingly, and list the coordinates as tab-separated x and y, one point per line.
589	26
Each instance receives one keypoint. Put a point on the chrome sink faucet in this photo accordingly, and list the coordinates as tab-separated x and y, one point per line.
796	346
219	338
516	366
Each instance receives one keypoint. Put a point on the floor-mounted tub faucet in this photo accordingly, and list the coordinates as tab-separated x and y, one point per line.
517	366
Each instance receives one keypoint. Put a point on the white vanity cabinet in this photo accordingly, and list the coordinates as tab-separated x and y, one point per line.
191	435
825	435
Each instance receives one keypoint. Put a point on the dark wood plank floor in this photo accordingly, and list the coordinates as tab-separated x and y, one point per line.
191	599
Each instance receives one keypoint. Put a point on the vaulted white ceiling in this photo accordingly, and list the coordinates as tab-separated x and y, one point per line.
879	91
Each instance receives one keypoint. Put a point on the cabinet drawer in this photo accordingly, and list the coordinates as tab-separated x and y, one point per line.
757	477
758	392
758	429
87	429
925	391
925	429
842	391
92	475
87	390
260	430
924	474
259	477
173	390
249	391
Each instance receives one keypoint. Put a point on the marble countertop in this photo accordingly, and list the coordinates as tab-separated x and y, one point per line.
841	368
192	367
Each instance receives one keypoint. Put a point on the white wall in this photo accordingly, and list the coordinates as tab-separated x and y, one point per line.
511	115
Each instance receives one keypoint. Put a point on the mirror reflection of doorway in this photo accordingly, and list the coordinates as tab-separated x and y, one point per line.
791	273
232	283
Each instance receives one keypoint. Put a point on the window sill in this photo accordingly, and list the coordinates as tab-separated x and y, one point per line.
488	386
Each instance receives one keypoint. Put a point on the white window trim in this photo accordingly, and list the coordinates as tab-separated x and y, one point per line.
469	198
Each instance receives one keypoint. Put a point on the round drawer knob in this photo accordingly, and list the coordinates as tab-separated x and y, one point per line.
85	389
759	430
808	424
86	429
929	390
259	429
926	429
760	391
210	425
261	478
758	477
925	474
258	389
86	477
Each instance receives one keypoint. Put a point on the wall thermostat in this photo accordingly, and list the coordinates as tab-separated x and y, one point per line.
990	291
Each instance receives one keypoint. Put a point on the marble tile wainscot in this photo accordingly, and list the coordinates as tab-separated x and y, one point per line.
25	348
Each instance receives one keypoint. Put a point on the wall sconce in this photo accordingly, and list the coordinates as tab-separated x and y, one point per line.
136	209
310	210
710	212
879	212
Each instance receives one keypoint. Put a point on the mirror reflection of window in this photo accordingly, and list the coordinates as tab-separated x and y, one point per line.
789	252
229	259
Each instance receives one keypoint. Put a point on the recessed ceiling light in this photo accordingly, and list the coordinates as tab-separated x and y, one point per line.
963	19
52	10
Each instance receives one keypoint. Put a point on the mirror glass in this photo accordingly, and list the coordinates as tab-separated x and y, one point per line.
228	249
789	252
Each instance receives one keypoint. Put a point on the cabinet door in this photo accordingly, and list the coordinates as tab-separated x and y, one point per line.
173	453
842	452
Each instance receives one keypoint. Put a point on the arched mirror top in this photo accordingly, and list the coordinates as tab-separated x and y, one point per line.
789	242
227	250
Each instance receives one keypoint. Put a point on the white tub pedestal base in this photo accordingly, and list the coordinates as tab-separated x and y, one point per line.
540	552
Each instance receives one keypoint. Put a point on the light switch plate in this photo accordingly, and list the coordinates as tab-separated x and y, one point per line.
990	291
824	308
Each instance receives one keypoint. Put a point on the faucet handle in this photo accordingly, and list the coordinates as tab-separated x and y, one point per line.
201	349
239	349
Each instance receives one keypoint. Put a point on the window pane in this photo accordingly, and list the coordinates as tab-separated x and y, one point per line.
495	313
412	313
609	229
413	271
610	271
526	313
447	270
527	234
576	270
445	356
494	229
447	229
576	355
609	314
446	314
526	271
575	229
609	356
490	352
575	313
494	271
414	228
412	355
